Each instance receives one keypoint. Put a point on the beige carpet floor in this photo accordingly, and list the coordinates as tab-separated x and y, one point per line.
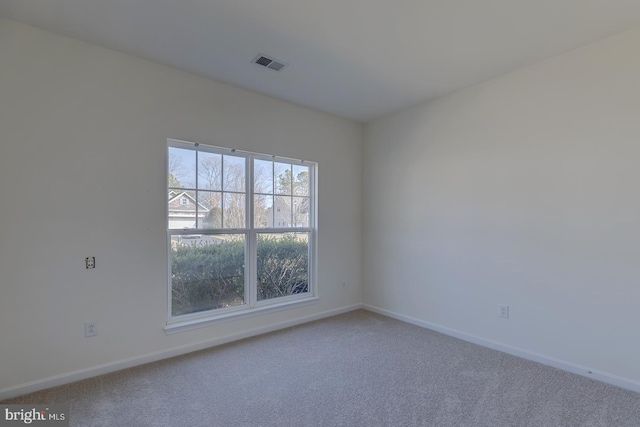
356	369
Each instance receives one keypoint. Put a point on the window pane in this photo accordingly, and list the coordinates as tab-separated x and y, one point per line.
263	211
209	171
233	173
282	178
282	211
300	212
209	209
181	209
207	272
181	172
283	264
300	180
233	210
263	176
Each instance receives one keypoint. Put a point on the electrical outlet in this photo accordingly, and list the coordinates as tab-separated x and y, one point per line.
90	329
90	262
504	311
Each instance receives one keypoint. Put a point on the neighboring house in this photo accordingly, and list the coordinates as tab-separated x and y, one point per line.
182	210
284	216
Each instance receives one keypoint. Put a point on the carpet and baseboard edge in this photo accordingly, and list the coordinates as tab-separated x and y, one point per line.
81	374
584	371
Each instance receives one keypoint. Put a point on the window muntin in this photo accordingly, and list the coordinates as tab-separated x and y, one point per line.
246	213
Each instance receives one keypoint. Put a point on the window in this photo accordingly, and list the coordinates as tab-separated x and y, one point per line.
241	232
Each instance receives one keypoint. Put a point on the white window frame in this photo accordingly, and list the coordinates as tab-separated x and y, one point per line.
252	306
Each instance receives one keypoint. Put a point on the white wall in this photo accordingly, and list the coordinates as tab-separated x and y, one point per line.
83	135
524	191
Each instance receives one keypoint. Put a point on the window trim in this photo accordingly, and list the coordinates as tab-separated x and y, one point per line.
251	307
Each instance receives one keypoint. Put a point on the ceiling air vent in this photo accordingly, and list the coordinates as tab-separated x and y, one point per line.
268	62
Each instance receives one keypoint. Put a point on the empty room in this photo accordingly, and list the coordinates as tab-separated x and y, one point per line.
320	213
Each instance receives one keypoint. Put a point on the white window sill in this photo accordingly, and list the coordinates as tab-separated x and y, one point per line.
201	322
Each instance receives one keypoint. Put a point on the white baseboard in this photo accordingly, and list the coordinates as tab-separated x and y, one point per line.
66	378
584	371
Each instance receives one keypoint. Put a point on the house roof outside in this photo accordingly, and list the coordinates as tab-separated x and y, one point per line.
183	215
176	207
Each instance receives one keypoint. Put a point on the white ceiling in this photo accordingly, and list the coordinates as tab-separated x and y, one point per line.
358	59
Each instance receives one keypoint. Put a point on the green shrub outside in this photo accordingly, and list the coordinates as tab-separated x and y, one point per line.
210	276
